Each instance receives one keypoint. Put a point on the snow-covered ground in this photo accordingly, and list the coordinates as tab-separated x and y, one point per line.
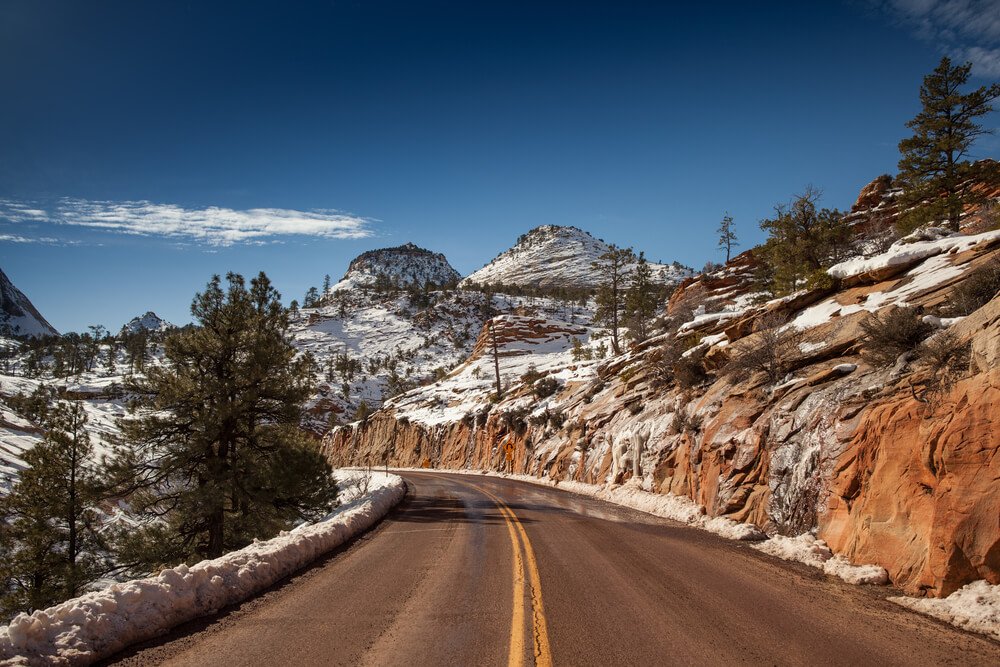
17	435
389	336
98	624
466	391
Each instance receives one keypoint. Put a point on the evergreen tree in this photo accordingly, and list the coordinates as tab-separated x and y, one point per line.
727	237
802	240
312	296
50	547
326	284
212	455
932	163
613	270
641	300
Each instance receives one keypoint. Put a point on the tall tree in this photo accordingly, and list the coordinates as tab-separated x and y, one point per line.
727	235
212	454
802	240
613	270
312	296
641	300
933	163
50	547
326	284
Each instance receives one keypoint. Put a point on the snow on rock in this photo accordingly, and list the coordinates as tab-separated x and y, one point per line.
974	607
403	266
556	256
98	624
906	252
148	322
807	549
18	316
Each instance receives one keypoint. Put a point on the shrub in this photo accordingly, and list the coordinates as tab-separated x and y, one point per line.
531	376
946	358
771	352
545	387
668	364
892	334
684	422
978	289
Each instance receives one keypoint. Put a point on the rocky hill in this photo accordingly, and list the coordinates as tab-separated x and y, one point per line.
150	321
553	256
18	316
791	413
400	267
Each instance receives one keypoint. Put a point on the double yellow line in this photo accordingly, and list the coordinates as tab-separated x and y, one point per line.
519	541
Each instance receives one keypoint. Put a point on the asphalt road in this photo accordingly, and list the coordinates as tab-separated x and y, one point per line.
474	570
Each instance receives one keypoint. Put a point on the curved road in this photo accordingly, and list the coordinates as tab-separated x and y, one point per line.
475	570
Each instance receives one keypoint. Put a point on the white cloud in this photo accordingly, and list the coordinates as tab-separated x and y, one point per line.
985	62
975	19
215	226
967	30
46	240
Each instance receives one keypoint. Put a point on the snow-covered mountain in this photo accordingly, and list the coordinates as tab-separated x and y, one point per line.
555	256
401	266
18	317
148	322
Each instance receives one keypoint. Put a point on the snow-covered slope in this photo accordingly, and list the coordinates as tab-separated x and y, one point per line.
18	317
148	322
400	266
372	345
555	256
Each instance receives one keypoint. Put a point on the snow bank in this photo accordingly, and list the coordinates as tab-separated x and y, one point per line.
974	607
96	625
905	253
807	549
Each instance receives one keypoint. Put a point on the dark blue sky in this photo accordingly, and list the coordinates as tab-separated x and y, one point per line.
455	125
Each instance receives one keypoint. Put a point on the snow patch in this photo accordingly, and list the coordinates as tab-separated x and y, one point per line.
99	624
807	549
974	607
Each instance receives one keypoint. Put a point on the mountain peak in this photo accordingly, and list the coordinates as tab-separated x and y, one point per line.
18	316
558	256
149	321
403	265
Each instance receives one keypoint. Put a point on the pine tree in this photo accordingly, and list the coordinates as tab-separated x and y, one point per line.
641	300
613	269
326	284
50	547
212	455
312	296
803	239
932	163
727	237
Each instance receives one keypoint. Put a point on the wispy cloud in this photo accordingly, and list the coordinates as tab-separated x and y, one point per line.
46	240
214	225
966	30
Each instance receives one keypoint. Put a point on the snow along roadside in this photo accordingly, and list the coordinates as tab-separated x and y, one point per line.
803	549
98	624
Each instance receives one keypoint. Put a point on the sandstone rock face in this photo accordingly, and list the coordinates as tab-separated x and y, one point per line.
883	470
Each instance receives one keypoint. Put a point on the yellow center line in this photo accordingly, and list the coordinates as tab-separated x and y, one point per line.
542	651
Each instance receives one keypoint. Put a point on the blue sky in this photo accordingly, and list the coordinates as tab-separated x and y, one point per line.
146	146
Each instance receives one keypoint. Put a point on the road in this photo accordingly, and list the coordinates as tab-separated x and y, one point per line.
475	570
